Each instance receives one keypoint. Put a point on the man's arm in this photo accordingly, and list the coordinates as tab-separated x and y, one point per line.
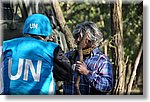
62	68
101	79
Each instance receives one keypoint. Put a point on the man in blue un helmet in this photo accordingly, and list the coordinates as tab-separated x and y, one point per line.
28	62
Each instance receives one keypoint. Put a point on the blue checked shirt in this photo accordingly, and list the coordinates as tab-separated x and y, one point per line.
98	81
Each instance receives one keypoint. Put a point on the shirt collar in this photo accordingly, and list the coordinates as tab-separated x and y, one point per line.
95	51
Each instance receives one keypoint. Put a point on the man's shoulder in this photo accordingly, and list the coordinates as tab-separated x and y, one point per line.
101	55
11	41
14	39
70	53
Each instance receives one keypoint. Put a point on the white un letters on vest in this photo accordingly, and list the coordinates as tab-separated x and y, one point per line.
28	65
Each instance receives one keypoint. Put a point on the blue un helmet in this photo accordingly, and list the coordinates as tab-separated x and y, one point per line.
37	24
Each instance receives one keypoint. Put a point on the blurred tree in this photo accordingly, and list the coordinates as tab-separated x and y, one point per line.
117	31
100	12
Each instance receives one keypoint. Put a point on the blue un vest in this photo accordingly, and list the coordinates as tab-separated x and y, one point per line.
28	65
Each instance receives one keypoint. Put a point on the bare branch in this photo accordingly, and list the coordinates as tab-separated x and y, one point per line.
134	70
62	23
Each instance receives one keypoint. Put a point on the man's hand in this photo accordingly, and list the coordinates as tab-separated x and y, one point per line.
82	68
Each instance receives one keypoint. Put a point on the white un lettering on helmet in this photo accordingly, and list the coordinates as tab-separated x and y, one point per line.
33	26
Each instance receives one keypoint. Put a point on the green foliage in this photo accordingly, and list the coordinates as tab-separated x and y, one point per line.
132	28
75	13
100	13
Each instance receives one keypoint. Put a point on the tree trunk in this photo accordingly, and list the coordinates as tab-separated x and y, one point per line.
23	10
128	74
117	30
62	24
134	70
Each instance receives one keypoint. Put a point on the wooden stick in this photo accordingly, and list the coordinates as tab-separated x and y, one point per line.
81	60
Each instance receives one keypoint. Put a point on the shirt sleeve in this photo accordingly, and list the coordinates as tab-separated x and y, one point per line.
62	68
101	79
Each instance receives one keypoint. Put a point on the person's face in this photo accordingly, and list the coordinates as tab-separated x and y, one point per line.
78	38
